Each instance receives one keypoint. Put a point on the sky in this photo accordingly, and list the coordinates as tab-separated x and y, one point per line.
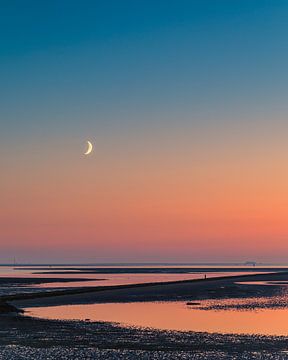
186	105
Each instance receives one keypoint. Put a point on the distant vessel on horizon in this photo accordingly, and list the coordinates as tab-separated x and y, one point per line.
250	263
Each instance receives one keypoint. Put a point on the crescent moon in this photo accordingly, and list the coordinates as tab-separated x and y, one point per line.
90	148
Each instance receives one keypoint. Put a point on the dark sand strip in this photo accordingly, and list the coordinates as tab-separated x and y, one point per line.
177	290
36	281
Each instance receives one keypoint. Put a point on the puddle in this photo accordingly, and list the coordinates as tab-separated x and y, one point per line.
176	316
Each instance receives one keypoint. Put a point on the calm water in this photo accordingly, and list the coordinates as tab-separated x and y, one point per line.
283	283
106	279
227	318
176	316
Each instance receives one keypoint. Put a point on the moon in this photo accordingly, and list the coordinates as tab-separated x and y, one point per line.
89	149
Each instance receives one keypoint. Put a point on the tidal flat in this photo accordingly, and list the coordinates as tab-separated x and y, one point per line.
27	338
24	337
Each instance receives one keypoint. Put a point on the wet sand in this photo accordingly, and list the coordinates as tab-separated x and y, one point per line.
45	339
222	287
36	281
26	331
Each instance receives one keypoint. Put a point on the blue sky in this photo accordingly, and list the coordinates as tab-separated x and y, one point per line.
97	62
189	95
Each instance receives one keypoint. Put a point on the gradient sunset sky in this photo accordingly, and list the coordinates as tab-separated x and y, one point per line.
186	103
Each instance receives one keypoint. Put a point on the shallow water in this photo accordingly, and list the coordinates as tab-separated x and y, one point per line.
128	279
274	283
103	279
176	316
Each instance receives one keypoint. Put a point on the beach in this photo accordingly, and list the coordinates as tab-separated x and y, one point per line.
45	339
72	340
220	287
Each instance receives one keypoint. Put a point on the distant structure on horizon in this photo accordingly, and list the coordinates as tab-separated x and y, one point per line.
250	263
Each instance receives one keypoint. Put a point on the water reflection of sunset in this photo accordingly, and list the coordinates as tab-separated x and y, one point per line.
175	316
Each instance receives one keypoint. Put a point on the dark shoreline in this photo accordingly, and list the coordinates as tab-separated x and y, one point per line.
37	281
95	333
96	340
158	291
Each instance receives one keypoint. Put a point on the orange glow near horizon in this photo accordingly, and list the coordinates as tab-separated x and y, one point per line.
224	205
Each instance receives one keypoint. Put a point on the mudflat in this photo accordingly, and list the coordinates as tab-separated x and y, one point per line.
25	337
221	287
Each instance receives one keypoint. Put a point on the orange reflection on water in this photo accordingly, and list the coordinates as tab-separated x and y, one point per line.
174	316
